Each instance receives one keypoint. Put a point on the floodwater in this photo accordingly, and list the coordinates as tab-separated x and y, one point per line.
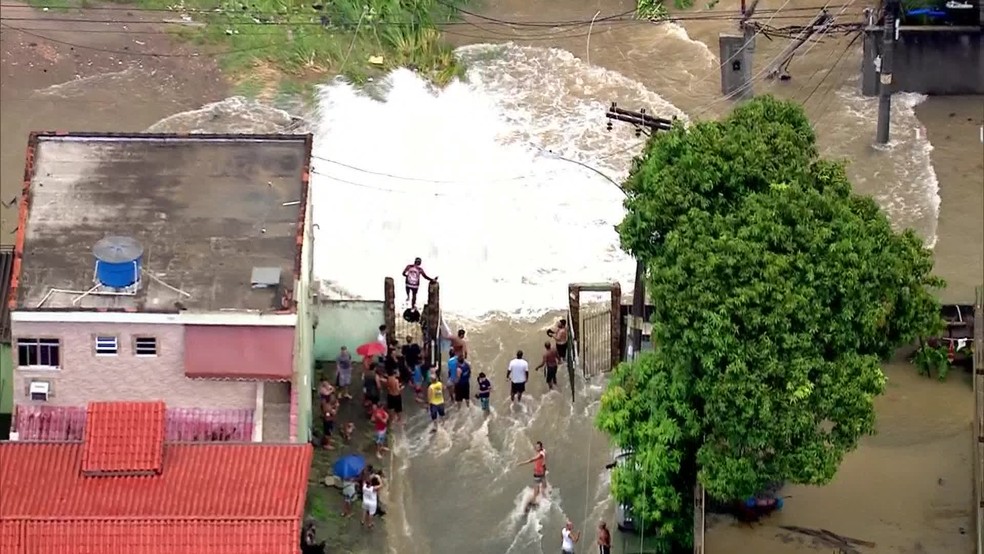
503	244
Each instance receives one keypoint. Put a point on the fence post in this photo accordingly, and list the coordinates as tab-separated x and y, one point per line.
574	292
389	309
616	315
433	330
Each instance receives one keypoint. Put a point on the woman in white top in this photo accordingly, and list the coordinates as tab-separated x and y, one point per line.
370	500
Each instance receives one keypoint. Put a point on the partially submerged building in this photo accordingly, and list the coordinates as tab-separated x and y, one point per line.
164	267
125	489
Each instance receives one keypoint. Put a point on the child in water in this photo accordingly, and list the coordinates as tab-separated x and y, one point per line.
484	391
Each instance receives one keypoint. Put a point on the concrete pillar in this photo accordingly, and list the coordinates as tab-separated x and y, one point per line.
389	308
258	412
736	73
616	315
869	65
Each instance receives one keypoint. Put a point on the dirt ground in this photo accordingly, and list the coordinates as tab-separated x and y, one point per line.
57	73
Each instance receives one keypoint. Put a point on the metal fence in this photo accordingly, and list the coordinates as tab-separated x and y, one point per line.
978	433
596	342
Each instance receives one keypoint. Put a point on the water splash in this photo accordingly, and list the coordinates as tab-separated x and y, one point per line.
232	115
458	177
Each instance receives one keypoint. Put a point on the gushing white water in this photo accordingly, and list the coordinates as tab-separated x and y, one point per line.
460	178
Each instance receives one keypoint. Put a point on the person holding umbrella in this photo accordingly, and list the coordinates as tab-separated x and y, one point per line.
349	469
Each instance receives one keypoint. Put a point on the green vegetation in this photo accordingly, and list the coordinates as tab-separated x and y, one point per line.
777	293
931	358
656	9
269	38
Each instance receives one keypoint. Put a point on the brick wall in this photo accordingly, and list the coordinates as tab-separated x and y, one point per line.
85	377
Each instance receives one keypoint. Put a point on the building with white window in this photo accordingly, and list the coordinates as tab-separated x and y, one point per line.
164	267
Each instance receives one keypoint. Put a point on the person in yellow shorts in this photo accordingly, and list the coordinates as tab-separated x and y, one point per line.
435	401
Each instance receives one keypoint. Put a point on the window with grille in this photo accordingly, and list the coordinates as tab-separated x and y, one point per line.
39	353
145	346
107	346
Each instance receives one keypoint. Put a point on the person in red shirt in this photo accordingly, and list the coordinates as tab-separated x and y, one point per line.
380	418
539	462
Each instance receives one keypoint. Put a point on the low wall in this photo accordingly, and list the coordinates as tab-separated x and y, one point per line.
978	431
345	323
928	60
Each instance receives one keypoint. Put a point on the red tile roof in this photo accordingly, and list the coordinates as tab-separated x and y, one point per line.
123	438
206	498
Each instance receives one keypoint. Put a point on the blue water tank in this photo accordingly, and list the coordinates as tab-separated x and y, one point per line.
118	261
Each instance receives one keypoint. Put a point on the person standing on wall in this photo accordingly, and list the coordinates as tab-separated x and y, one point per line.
412	273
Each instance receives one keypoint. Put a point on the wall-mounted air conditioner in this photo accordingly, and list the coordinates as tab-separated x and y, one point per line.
39	391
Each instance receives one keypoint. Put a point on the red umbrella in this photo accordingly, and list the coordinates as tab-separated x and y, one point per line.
371	349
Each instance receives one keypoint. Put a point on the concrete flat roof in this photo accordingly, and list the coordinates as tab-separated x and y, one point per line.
206	210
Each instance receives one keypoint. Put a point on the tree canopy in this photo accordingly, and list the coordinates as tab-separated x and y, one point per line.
777	292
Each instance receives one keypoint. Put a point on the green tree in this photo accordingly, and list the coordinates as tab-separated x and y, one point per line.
777	292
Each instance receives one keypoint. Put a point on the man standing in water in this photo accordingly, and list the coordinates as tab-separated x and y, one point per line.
604	539
413	273
459	347
569	538
343	364
519	373
560	335
462	387
539	462
435	401
550	361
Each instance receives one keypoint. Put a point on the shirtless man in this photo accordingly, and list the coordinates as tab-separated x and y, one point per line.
539	462
604	539
560	335
394	395
459	347
413	273
550	360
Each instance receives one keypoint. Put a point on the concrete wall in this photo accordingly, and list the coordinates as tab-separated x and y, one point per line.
85	377
6	380
345	323
929	60
303	382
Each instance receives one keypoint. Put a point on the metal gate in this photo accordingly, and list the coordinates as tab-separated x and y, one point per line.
595	344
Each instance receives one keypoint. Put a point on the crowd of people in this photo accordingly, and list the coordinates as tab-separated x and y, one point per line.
384	380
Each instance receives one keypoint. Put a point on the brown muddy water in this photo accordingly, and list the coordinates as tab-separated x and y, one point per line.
907	489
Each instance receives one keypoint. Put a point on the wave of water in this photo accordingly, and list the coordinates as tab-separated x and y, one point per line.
460	177
904	183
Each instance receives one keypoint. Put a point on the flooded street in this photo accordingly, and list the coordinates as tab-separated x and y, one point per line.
491	152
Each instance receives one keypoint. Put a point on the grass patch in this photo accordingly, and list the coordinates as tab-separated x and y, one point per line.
355	38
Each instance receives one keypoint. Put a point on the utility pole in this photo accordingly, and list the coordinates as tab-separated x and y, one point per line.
736	53
890	33
638	119
778	67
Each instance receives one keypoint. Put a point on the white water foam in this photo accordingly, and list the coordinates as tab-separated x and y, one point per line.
459	177
232	115
907	187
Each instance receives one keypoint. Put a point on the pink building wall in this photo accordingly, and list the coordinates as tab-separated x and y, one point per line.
85	377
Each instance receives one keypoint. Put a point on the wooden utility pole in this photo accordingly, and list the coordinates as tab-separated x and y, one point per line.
890	33
639	119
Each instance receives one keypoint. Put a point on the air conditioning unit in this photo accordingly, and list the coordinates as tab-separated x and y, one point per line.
39	391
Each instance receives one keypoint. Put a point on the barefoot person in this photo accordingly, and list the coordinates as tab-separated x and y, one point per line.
550	360
462	387
569	538
380	420
370	500
435	401
484	391
459	346
413	273
343	363
604	539
560	336
518	374
539	462
394	395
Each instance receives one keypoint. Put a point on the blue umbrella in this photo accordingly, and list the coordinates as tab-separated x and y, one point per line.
349	467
